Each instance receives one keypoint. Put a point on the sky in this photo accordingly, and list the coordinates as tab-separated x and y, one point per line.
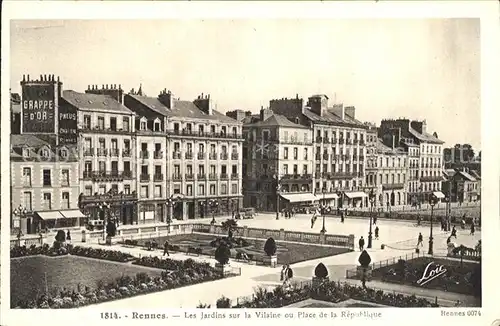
387	68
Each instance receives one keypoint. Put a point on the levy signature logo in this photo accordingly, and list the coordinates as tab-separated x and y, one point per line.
431	272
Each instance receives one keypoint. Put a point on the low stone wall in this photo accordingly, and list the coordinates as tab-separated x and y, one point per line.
27	241
343	241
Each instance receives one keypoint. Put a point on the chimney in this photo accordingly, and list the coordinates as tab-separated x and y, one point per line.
350	111
204	103
166	98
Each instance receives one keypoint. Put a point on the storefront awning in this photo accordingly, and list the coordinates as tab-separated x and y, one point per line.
438	194
327	196
50	215
296	198
356	194
72	213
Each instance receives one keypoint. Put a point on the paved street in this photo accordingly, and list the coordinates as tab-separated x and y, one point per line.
255	276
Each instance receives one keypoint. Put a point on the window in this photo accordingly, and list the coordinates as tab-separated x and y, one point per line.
295	153
144	191
234	188
177	189
45	152
126	124
201	169
47	180
212	189
201	129
102	143
102	190
86	121
65	177
126	189
143	125
157	125
223	189
285	168
305	153
88	190
65	200
285	135
27	177
158	191
212	129
285	153
27	200
235	131
212	148
47	201
63	152
189	169
100	123
26	152
201	190
112	123
304	169
295	169
213	169
177	170
102	166
126	145
201	148
189	190
234	169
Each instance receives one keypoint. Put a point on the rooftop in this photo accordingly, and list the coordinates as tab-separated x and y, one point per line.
330	117
90	102
426	137
384	149
27	140
276	120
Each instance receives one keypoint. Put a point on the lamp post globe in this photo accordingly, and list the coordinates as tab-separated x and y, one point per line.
371	198
432	202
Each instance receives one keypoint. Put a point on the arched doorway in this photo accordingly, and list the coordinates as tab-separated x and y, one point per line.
399	198
393	199
386	199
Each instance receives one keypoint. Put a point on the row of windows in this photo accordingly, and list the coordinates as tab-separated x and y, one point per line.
341	134
125	125
431	149
47	200
435	186
386	179
47	177
144	191
340	168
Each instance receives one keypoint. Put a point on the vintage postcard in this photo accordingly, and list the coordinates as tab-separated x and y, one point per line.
165	162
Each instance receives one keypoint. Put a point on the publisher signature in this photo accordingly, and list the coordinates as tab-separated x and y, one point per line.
431	272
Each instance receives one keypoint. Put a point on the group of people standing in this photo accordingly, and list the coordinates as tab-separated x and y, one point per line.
286	275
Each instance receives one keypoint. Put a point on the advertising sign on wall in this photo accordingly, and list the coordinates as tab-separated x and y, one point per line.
38	107
67	125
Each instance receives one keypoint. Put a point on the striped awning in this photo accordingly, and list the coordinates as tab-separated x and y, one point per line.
438	194
296	198
72	213
356	194
50	215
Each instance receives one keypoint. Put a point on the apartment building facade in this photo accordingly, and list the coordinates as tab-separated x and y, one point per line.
339	147
414	136
277	151
107	147
202	161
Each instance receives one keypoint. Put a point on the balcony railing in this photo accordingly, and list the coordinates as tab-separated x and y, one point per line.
362	142
204	134
127	174
343	175
318	139
212	156
188	156
212	176
189	176
158	177
176	177
201	156
348	141
104	175
115	152
144	177
355	142
102	152
391	186
144	154
101	129
176	155
234	156
326	140
224	176
158	155
325	156
223	156
202	176
431	179
126	152
108	198
341	141
318	157
234	176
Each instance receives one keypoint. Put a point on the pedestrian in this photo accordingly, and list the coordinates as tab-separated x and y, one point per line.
361	243
472	229
283	274
420	240
419	220
68	236
312	221
165	248
376	233
375	220
448	240
230	233
453	232
289	273
342	217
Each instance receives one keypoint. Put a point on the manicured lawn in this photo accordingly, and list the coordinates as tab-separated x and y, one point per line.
31	275
464	278
288	253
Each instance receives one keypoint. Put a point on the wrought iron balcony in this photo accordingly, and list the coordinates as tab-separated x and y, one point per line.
392	186
158	177
202	176
234	176
212	156
223	156
234	156
102	152
188	155
189	176
201	156
126	152
144	154
176	177
176	155
115	152
144	177
212	176
158	155
224	176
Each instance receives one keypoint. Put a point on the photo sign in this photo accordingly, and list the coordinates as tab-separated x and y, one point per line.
38	107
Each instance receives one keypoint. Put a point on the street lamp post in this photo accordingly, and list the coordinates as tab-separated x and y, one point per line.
323	207
104	207
21	212
372	199
213	205
278	190
171	201
432	202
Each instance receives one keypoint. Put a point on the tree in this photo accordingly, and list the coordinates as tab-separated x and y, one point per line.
222	254
111	229
270	247
320	271
60	236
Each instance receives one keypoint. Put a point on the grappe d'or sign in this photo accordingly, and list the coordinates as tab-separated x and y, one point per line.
38	107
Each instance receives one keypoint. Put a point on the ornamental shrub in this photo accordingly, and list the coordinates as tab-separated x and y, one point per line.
60	236
320	271
222	254
111	229
270	247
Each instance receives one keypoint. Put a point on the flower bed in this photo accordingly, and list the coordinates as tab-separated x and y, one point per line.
172	265
459	277
330	292
46	250
122	287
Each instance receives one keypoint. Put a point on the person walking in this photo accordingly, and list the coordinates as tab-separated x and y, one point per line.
283	274
165	248
472	229
342	217
453	232
420	239
361	243
68	236
374	220
376	233
289	274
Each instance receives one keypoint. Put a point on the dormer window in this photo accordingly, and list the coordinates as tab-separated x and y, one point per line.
100	123
26	152
235	131
157	125
143	124
223	131
189	127
63	152
201	129
45	152
212	129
